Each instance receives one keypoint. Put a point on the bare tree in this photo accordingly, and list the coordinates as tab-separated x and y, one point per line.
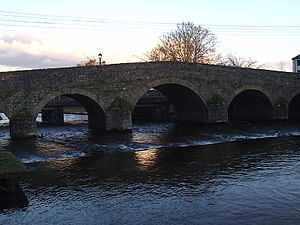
188	43
233	60
89	61
92	61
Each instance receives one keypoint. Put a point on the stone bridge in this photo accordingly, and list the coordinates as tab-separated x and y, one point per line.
200	93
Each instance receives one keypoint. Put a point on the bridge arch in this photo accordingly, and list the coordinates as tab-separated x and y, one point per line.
294	108
188	106
96	114
234	93
6	108
4	117
250	104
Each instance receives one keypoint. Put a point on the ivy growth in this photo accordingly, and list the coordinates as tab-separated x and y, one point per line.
280	102
216	99
22	113
120	103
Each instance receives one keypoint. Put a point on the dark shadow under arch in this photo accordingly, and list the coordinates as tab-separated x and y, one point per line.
181	104
294	108
250	105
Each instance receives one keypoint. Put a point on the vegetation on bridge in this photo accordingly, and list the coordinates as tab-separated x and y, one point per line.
120	103
21	114
216	99
281	102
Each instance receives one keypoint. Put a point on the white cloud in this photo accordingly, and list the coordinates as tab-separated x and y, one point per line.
62	48
29	51
28	38
278	65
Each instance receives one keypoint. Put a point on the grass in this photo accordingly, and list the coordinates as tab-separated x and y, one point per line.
74	110
10	165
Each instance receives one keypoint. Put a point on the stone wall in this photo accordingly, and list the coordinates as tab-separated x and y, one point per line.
190	86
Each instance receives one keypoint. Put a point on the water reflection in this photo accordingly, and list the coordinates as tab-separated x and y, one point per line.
16	199
186	164
190	172
116	183
146	159
63	164
35	150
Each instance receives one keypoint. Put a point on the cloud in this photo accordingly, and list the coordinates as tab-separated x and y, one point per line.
65	48
26	39
278	65
28	51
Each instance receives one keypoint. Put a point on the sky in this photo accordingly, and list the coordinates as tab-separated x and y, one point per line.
56	33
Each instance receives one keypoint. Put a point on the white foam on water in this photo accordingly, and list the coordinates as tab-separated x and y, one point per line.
33	159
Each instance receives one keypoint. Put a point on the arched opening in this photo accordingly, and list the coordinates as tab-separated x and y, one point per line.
170	102
294	109
250	105
72	108
4	125
153	106
4	120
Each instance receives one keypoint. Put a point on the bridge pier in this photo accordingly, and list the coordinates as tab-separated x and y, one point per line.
280	112
118	121
118	115
217	113
96	121
53	115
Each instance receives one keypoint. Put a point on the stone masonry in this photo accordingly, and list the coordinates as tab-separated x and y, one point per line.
200	93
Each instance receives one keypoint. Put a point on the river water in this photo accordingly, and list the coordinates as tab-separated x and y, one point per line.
161	173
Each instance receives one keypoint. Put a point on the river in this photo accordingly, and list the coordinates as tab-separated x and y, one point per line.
161	173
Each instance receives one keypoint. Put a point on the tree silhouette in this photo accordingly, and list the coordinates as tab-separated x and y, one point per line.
188	43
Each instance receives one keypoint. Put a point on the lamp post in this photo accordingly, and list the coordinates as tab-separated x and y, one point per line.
100	58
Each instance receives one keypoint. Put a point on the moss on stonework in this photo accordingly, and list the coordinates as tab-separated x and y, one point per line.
9	164
22	113
216	99
281	102
120	103
10	93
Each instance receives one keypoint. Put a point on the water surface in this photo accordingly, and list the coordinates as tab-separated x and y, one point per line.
245	173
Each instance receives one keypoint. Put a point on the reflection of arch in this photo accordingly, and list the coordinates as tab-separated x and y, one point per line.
250	105
86	99
188	105
294	108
